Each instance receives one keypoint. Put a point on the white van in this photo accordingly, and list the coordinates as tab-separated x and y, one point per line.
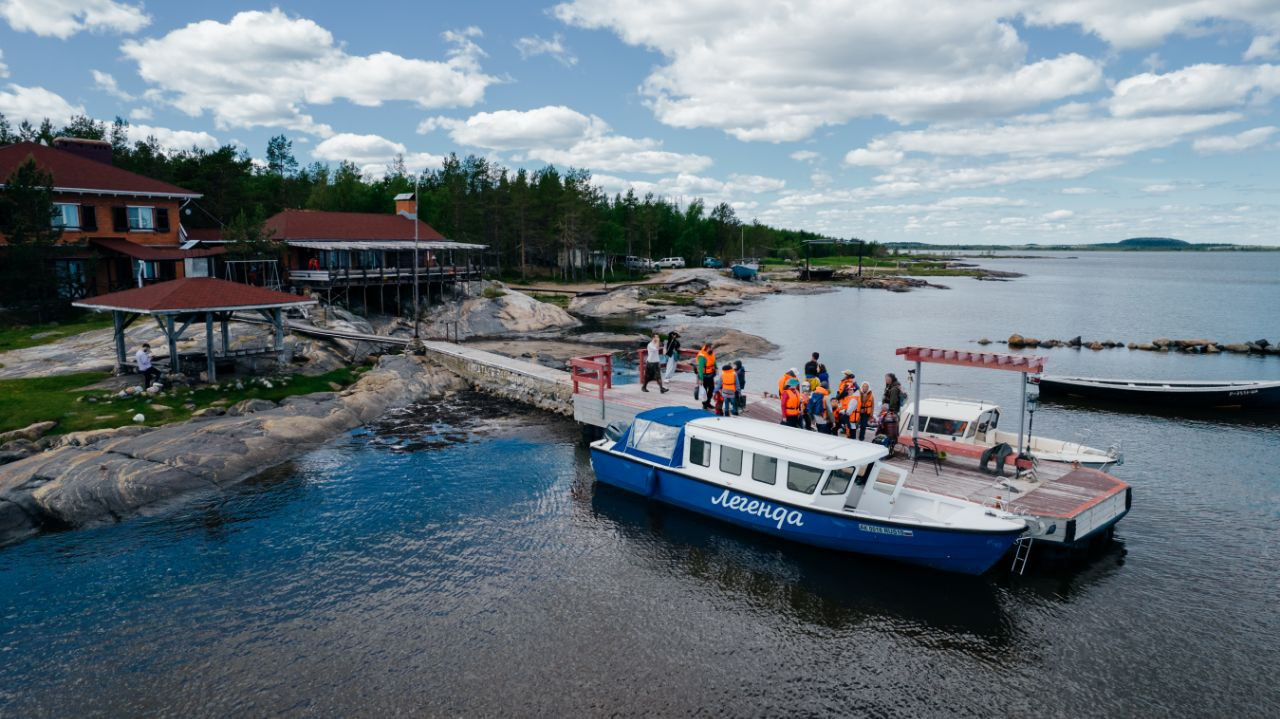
670	263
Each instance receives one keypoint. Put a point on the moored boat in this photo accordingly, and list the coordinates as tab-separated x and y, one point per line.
975	423
816	489
745	269
1179	394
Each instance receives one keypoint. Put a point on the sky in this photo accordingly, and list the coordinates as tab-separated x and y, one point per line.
987	121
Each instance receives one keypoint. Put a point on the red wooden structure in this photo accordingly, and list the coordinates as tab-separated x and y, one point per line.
595	370
1031	364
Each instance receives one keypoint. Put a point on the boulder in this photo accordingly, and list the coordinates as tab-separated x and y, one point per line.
31	432
1095	345
1161	342
984	341
1211	349
496	310
245	406
1262	343
1236	347
208	412
1075	341
1146	347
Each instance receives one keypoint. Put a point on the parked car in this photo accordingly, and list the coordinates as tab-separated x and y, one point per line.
670	262
641	264
712	263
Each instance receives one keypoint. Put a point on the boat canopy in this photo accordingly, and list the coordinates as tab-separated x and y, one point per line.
958	409
824	451
657	435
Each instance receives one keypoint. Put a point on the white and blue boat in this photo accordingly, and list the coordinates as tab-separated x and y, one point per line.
745	269
812	488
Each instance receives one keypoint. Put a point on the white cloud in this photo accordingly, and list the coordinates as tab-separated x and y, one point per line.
372	153
804	156
560	135
1263	47
1079	191
1056	215
64	18
1197	88
35	104
686	187
107	83
535	45
263	68
173	140
754	184
1233	143
1159	188
1037	137
4	69
863	157
141	113
787	69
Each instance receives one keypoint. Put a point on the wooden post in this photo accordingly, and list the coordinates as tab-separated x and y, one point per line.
175	365
226	341
277	316
208	348
117	319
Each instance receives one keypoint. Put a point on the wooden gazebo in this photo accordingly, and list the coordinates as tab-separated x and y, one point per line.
179	303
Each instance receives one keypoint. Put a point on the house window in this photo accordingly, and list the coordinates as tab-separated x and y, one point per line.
141	218
66	216
72	278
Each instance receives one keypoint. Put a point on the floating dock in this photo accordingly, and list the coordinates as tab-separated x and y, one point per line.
1063	505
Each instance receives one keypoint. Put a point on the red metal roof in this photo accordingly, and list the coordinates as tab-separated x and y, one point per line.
192	294
143	252
321	225
1033	364
72	172
204	234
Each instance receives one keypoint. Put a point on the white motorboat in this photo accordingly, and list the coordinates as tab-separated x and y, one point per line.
975	422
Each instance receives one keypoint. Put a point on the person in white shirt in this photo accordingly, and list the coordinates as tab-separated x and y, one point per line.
149	372
652	364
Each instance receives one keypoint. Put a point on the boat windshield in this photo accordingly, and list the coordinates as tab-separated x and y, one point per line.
838	481
938	425
653	438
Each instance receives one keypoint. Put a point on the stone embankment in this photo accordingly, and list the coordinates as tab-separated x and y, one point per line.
1162	344
106	475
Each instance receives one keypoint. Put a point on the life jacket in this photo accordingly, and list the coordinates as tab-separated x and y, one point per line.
711	364
729	380
782	383
846	404
846	387
818	402
866	405
791	403
709	360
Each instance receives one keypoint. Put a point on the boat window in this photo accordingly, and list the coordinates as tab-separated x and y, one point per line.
700	452
838	481
953	427
730	460
764	469
921	423
801	478
652	438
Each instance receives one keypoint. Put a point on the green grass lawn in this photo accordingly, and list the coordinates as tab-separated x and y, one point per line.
36	399
561	301
20	336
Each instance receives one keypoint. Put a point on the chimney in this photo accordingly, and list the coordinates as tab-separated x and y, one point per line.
405	205
96	150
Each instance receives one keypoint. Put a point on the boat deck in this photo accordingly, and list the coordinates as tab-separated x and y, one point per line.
1069	502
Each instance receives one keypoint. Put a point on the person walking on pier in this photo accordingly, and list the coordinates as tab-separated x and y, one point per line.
728	386
672	351
865	406
741	373
149	372
893	394
653	365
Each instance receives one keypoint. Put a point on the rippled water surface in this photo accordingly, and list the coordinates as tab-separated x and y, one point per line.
460	559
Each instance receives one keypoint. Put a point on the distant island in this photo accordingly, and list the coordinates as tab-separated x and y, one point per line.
1133	244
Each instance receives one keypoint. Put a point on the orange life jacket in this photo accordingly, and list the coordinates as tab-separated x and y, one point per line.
791	403
709	365
782	382
866	405
847	387
729	380
846	404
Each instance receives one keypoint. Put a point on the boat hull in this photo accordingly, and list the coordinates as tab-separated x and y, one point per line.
951	550
1189	396
743	272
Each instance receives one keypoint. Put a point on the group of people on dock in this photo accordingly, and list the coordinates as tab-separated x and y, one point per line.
850	409
807	399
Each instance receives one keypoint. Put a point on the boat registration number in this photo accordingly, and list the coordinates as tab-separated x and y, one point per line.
894	531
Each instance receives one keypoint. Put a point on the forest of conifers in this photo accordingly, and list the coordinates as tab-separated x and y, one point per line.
532	221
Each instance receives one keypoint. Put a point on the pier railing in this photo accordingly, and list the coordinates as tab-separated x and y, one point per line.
592	370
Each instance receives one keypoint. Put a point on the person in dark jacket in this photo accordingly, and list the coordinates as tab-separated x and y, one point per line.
893	394
741	398
672	353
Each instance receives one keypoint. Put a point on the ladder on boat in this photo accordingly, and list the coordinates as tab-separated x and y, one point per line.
1021	554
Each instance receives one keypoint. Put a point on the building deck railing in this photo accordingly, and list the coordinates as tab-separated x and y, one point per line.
378	275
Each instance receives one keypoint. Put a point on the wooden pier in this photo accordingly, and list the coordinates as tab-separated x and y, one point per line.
1063	504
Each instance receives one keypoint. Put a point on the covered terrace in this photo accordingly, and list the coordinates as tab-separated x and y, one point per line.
178	304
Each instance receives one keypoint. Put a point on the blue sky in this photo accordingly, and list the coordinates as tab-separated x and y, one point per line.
1000	121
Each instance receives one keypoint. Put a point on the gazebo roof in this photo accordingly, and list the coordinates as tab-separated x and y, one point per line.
1033	364
193	294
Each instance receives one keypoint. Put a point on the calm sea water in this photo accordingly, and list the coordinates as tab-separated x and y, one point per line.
461	559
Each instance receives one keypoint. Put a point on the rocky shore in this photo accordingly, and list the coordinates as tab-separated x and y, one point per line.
1160	344
107	475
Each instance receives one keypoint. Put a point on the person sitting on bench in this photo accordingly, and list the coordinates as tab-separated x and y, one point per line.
149	373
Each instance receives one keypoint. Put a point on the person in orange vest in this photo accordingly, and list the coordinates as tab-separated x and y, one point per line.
792	403
865	407
786	378
848	385
705	366
844	409
313	264
818	409
727	383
